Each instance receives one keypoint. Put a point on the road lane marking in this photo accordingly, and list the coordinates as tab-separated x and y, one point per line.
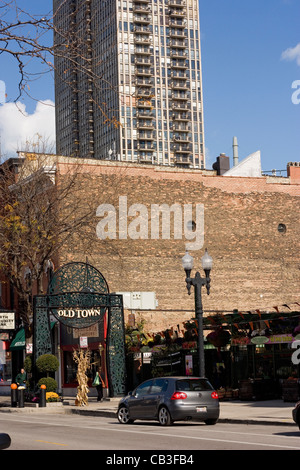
52	443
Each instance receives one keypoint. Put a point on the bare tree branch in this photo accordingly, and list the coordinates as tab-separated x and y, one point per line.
28	39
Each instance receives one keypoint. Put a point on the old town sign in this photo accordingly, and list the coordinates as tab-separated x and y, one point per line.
81	309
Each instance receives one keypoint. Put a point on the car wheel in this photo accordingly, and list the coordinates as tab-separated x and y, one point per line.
211	421
164	416
123	415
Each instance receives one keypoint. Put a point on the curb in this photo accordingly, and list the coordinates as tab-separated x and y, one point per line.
255	421
98	413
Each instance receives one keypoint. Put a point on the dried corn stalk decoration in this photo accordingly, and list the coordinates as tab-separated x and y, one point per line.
83	359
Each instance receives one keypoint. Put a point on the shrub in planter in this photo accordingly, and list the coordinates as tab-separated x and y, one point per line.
51	384
47	363
28	364
28	368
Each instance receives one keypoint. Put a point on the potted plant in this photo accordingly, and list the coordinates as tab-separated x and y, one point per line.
47	364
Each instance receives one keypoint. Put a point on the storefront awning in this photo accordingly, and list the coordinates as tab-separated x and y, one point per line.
19	342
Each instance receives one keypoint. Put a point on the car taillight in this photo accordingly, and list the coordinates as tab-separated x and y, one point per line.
178	396
214	395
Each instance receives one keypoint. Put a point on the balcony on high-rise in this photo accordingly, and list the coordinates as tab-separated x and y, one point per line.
141	8
177	3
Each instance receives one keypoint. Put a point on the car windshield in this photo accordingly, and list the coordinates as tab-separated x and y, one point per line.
193	385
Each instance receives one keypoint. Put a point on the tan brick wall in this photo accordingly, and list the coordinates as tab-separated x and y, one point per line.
255	266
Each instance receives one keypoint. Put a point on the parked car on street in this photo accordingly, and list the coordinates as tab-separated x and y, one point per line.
169	399
5	441
296	413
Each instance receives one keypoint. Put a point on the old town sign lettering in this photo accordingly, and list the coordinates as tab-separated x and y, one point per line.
81	309
79	313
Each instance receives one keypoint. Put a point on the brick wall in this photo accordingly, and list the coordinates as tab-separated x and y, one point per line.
255	265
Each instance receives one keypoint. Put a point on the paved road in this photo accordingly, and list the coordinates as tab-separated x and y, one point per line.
75	432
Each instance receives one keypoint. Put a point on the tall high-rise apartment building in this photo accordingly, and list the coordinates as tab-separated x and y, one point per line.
137	95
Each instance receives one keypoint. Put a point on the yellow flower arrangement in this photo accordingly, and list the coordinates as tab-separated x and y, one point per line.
52	396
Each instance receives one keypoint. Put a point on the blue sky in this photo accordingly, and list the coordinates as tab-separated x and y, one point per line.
250	62
246	83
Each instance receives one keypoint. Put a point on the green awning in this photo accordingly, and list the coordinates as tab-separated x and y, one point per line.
19	341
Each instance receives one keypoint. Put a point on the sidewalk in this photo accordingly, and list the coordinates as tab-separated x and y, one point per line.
250	412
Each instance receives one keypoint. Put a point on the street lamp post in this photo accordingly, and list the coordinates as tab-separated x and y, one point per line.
198	282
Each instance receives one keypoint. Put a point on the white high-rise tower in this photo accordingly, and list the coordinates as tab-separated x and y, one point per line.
137	95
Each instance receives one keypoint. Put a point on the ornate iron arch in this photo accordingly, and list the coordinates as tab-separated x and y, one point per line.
80	285
77	277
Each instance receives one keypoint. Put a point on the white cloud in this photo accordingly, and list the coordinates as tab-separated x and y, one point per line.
17	126
209	159
292	53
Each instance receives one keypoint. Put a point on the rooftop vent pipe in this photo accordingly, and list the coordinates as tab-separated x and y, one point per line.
235	151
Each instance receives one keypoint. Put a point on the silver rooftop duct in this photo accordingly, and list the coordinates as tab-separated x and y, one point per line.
235	151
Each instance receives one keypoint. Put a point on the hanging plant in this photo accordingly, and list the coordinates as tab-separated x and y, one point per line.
219	337
296	331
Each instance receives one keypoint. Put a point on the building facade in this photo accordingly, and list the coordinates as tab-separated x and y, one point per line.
250	226
136	92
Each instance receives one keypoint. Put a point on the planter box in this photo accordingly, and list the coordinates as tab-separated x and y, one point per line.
257	389
246	390
290	390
